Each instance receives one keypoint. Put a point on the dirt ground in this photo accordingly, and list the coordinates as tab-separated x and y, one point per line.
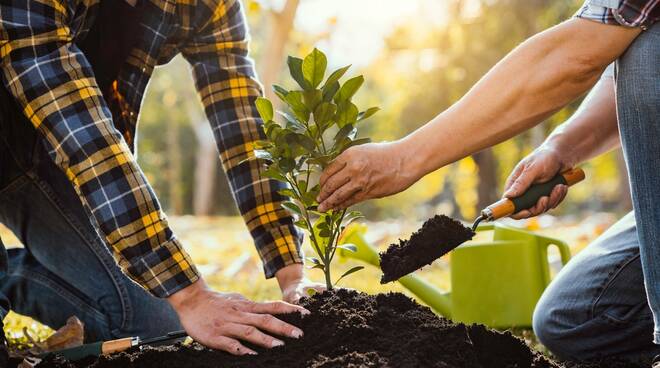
351	329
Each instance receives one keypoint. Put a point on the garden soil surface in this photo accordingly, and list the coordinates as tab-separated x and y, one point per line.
351	329
439	235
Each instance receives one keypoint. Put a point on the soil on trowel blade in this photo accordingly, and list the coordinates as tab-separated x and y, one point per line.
438	236
351	329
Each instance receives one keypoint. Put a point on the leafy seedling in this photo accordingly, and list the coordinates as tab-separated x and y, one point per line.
320	122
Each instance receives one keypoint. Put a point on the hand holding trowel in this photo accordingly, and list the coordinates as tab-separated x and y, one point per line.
441	234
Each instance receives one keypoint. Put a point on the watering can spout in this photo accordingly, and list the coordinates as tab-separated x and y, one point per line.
437	299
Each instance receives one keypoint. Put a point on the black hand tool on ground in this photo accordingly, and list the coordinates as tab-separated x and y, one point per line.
441	234
107	347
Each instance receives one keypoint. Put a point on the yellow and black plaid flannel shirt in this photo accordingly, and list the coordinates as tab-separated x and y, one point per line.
91	138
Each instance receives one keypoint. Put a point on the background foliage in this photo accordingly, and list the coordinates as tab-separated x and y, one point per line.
424	64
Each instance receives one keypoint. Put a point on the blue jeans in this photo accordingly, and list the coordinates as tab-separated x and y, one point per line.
598	305
65	268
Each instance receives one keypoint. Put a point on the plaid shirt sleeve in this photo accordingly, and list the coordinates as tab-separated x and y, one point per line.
54	84
226	82
627	13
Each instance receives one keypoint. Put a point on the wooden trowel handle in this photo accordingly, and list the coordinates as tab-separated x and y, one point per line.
506	207
115	346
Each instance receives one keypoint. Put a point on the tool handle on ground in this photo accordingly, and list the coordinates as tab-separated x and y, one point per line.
115	346
506	206
79	352
96	348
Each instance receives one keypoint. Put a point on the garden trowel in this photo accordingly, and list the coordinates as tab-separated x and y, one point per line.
441	234
105	347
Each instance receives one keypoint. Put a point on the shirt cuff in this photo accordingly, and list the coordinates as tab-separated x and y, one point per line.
279	247
164	271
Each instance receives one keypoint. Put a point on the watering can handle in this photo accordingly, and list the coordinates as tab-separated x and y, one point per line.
564	250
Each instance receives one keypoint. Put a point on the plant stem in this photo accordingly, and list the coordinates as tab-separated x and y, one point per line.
328	280
310	228
335	235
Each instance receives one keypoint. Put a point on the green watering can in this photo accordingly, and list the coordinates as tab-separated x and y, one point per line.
496	282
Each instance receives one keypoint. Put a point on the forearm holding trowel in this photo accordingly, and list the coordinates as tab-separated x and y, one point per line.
590	132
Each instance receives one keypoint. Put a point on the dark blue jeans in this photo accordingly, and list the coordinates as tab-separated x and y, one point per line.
604	301
65	268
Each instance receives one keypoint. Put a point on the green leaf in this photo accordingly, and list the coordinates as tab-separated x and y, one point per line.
295	69
324	112
301	140
315	190
321	160
325	233
367	113
330	91
351	216
263	154
347	113
272	131
349	247
292	207
265	108
287	192
287	164
349	88
334	77
291	122
358	142
321	267
302	184
274	174
262	144
295	101
313	67
311	291
312	98
352	270
280	92
302	223
345	132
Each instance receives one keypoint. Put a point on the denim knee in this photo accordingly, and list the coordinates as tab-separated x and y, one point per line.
151	317
553	335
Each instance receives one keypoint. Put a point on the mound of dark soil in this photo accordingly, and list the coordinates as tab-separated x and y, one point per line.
351	329
438	236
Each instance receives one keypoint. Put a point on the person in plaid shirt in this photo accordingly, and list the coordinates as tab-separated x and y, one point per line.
606	301
74	74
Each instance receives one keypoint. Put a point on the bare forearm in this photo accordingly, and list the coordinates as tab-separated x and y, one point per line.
591	131
538	78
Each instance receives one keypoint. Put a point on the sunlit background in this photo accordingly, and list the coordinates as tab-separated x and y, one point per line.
418	57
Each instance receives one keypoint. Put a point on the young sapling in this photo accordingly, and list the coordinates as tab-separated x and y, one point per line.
320	123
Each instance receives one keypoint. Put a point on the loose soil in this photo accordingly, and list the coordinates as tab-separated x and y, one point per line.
351	329
438	236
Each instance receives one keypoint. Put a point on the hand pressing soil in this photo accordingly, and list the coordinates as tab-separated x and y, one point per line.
438	236
351	329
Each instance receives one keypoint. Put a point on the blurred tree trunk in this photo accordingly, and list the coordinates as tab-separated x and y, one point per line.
625	201
487	189
205	171
206	163
175	193
273	58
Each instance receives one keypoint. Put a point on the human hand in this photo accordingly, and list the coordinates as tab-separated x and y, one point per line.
294	284
222	320
363	172
538	167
